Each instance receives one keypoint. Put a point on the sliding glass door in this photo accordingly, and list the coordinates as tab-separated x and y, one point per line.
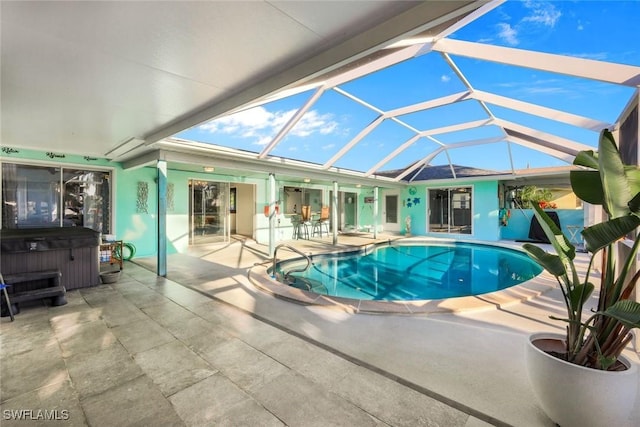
450	210
209	212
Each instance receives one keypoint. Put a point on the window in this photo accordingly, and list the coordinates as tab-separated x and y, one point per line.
450	210
295	197
40	196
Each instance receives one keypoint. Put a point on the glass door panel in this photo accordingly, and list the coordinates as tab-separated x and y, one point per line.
209	212
450	210
391	213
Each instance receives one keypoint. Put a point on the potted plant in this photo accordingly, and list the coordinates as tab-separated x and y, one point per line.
565	370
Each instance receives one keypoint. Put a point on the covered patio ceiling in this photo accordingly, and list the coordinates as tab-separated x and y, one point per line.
141	81
103	78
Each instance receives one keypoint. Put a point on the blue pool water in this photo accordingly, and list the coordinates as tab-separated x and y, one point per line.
412	272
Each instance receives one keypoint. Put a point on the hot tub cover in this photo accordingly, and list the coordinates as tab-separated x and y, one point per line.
46	239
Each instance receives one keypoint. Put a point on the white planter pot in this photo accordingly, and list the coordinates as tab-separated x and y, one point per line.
573	395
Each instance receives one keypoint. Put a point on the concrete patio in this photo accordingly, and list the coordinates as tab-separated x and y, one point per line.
205	347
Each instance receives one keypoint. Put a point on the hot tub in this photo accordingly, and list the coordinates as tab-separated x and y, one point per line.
72	250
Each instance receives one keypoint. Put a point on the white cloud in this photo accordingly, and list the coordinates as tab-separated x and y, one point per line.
313	122
538	15
508	33
262	125
542	13
328	146
445	79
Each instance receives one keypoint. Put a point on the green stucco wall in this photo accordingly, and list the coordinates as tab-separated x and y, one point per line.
133	225
485	206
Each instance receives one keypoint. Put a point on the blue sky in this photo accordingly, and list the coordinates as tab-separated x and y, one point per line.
599	30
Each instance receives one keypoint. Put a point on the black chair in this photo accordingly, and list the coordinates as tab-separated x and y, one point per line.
3	286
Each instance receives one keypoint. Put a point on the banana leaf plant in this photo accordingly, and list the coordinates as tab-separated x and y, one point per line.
596	339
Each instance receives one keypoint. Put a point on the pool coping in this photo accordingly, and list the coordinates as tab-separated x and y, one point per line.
544	282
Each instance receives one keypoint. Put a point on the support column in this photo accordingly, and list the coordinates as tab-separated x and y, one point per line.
273	201
375	212
334	212
161	267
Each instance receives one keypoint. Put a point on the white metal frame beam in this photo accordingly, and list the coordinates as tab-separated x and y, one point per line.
348	146
540	111
553	152
425	161
564	145
626	75
427	105
457	127
408	143
291	123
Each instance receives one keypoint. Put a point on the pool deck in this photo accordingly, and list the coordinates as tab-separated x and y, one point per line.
205	346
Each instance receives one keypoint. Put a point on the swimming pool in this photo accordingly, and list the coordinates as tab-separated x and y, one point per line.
411	272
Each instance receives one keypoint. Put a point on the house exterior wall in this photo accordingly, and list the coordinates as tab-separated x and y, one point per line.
134	224
414	202
520	221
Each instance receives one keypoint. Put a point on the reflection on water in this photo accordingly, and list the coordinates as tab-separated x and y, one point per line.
392	273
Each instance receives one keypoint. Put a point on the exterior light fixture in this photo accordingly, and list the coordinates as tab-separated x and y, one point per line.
208	169
307	180
358	185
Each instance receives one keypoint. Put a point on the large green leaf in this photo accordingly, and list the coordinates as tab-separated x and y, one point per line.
586	158
579	294
550	262
634	204
626	311
605	233
587	186
633	177
559	241
616	188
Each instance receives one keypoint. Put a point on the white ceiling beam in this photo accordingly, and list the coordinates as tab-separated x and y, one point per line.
433	103
125	147
464	80
201	154
565	157
358	100
540	111
486	8
626	75
473	142
291	123
277	96
512	167
373	66
393	154
562	144
457	127
451	168
424	161
408	126
416	20
364	132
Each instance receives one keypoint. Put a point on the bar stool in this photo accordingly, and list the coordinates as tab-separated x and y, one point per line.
3	286
304	223
322	221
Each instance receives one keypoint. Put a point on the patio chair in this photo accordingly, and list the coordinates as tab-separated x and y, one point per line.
3	286
322	221
304	223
